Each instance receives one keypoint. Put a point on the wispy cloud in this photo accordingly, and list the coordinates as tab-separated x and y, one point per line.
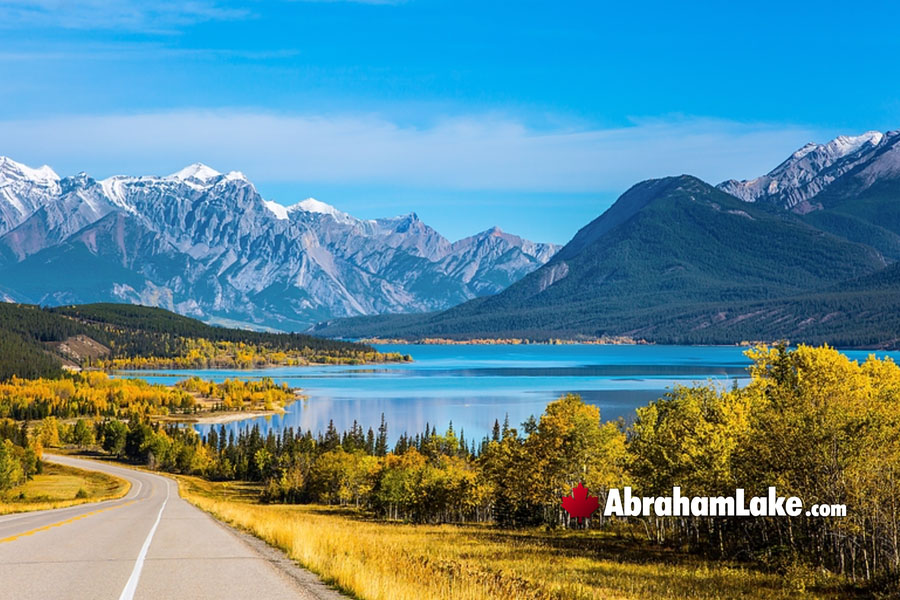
144	15
148	16
147	51
382	2
473	152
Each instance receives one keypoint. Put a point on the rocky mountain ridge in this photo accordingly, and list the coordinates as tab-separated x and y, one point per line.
206	244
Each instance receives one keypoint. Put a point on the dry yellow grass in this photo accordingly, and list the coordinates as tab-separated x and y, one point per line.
58	486
375	560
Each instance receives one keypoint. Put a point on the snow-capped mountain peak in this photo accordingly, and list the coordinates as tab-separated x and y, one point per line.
235	176
24	190
844	145
279	210
315	206
16	170
808	171
809	147
311	205
197	171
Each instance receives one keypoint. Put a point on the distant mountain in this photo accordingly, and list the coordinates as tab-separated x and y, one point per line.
23	190
206	244
849	186
677	260
808	252
809	170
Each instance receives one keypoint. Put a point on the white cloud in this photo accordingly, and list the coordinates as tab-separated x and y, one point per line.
144	15
474	152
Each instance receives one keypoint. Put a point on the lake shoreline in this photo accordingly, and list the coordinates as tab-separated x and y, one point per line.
623	341
222	418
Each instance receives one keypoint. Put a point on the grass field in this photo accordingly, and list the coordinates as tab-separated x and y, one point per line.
59	486
375	560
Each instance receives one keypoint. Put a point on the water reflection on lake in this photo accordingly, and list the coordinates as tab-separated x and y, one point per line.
474	385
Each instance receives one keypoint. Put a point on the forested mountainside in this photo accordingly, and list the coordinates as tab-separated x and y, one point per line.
38	342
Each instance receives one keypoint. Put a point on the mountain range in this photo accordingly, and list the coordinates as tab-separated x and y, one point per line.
207	245
807	252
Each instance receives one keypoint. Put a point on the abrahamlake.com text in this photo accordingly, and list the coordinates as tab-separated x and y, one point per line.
624	504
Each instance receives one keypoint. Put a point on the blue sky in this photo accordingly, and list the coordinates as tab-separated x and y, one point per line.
533	116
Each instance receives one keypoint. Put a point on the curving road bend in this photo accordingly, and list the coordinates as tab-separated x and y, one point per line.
150	544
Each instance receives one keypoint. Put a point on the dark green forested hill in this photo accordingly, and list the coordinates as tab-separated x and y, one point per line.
29	336
861	210
676	260
681	240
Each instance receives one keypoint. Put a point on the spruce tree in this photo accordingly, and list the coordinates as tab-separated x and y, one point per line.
370	442
382	441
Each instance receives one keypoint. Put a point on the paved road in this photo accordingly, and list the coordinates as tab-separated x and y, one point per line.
150	544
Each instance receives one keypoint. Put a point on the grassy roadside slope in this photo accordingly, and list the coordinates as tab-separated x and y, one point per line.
59	486
375	560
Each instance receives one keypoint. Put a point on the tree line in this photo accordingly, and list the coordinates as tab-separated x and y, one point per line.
95	395
19	455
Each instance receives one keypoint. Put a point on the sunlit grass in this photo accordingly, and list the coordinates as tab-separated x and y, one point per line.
60	486
376	560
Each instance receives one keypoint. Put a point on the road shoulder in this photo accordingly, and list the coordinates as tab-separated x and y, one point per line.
308	581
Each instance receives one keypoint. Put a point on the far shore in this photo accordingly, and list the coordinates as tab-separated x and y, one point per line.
223	417
218	417
503	342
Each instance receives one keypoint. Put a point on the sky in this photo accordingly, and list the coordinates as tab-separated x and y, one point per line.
531	115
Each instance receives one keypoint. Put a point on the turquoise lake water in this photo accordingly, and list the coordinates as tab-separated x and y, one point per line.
474	385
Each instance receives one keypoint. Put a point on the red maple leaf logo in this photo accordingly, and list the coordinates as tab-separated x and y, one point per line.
580	505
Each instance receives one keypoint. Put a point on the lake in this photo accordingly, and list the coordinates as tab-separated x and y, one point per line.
473	386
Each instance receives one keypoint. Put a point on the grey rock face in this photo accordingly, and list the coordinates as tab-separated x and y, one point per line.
208	245
813	168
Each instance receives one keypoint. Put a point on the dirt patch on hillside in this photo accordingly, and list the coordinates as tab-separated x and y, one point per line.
79	350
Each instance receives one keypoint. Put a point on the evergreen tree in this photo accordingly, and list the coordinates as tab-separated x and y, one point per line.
381	443
332	438
370	442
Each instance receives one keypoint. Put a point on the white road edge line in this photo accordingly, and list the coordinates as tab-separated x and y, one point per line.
131	586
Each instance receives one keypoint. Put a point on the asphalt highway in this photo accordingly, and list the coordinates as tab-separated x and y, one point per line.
150	544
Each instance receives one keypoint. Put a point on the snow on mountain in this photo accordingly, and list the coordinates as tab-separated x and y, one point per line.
279	210
884	165
209	245
197	171
15	170
313	205
809	171
23	190
841	146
